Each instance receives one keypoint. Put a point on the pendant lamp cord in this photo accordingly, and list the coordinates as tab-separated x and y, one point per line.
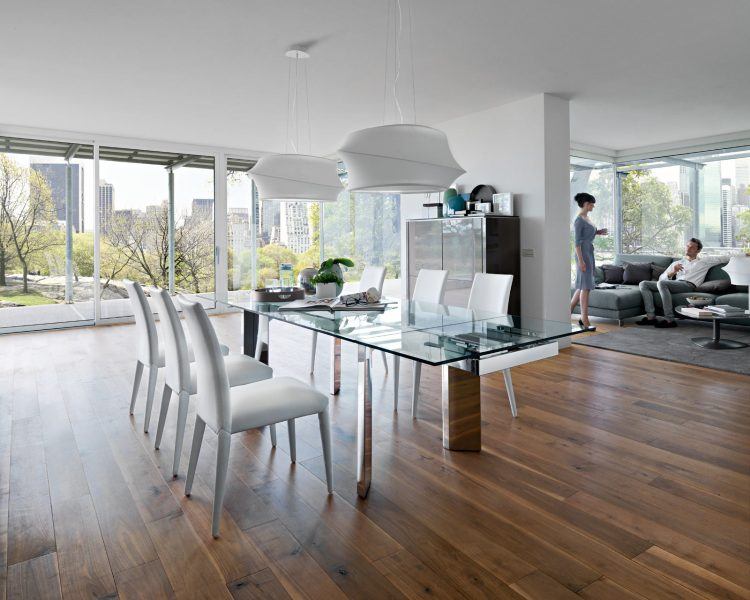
397	61
307	101
411	51
288	105
387	37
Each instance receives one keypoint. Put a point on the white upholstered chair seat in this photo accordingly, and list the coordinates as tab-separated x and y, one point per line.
241	370
271	401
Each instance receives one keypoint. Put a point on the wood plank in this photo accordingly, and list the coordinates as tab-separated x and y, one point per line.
263	585
691	575
81	555
144	582
297	571
187	562
538	585
34	579
604	589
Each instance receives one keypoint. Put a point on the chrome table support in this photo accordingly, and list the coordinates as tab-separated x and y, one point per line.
335	374
364	422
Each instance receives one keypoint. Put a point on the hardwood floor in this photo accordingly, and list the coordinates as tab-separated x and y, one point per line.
623	477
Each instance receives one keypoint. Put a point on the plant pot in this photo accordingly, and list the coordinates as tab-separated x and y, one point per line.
326	290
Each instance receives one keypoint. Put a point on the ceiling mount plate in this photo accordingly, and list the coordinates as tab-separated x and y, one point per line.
296	53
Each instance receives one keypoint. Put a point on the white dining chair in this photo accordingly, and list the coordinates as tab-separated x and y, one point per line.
372	277
227	410
147	347
490	292
180	375
429	288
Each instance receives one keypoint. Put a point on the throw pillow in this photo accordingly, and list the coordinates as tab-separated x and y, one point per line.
598	275
612	273
634	273
656	271
717	286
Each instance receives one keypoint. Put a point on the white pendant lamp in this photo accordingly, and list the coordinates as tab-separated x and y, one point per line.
294	176
404	157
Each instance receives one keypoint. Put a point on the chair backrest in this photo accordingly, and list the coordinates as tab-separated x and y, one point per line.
213	385
148	342
490	292
372	277
176	358
430	286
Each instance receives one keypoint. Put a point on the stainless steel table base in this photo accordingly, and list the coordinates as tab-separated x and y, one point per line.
462	413
364	422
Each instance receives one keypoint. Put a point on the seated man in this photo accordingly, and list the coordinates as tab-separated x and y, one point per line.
683	275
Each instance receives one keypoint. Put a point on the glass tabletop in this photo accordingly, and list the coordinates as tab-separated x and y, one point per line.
430	333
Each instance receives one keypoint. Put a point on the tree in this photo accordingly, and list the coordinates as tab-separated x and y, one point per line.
651	221
270	258
26	203
11	182
743	229
196	252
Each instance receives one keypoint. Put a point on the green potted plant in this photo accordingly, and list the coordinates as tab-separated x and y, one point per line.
329	282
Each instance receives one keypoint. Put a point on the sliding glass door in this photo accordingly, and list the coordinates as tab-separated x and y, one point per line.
46	233
156	217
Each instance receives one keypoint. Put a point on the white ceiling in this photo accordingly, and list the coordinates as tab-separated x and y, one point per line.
638	72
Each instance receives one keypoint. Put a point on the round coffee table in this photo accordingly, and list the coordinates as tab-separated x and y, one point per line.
715	342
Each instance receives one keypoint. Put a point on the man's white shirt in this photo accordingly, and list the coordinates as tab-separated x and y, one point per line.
693	271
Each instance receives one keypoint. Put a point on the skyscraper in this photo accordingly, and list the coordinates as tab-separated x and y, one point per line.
106	205
294	231
270	215
727	213
203	208
56	176
709	204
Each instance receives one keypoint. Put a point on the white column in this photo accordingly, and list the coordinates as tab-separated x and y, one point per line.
97	233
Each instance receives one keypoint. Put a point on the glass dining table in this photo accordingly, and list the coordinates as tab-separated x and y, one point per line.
462	341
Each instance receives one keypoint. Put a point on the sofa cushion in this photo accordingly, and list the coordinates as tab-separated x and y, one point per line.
656	271
634	273
657	259
612	273
716	286
616	299
736	299
717	273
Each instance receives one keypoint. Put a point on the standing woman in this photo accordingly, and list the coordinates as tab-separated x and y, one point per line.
585	232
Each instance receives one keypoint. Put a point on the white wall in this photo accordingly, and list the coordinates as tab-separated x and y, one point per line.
522	147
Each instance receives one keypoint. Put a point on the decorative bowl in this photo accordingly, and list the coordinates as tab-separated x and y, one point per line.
699	301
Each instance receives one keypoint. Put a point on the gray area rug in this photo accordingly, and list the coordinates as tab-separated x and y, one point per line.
675	345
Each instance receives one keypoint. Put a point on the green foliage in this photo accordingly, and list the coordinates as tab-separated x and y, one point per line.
327	277
652	223
743	230
329	262
30	298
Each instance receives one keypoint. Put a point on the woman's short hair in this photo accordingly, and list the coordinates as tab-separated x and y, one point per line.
582	197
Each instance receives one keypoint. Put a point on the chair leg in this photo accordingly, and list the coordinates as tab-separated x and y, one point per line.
273	434
396	365
385	362
325	439
220	487
415	390
511	393
312	351
166	396
292	440
152	373
182	412
200	427
136	384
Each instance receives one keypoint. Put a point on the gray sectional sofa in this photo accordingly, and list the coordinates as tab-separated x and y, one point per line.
626	301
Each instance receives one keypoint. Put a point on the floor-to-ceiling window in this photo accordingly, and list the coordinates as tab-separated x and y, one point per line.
596	178
668	200
46	233
156	217
365	227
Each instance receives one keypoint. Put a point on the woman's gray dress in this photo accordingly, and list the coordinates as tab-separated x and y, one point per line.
585	233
